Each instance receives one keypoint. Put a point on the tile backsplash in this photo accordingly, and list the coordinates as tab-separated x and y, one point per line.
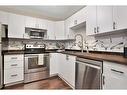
19	45
109	42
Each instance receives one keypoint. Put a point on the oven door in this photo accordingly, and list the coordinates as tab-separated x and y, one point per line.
31	63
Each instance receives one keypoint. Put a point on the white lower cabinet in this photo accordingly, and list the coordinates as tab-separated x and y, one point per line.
53	64
13	75
70	69
64	66
13	68
114	76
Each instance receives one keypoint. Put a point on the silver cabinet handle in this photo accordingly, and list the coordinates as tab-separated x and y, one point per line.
97	29
114	25
103	80
67	57
14	64
14	75
75	22
117	71
94	30
14	58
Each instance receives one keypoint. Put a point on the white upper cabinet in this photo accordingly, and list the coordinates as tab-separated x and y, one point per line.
3	17
91	21
41	23
30	22
120	17
99	19
78	17
81	15
16	26
68	31
104	19
35	23
59	30
50	30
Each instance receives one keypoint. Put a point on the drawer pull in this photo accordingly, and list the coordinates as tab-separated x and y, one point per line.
103	80
14	65
114	25
117	71
14	58
14	75
94	30
97	29
67	57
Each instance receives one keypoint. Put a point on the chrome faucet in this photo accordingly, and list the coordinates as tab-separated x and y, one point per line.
87	47
80	44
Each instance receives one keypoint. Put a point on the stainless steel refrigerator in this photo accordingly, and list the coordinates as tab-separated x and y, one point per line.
1	64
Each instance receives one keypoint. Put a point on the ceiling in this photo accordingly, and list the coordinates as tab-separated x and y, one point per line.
55	13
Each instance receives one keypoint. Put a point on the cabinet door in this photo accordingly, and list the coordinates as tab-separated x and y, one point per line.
16	26
120	17
81	15
67	68
104	19
62	66
70	69
72	21
30	22
13	75
53	63
50	30
4	18
69	34
115	76
91	20
41	24
59	30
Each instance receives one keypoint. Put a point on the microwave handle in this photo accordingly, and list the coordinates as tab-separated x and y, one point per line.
31	56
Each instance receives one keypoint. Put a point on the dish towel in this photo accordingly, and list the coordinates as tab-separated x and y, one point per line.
41	59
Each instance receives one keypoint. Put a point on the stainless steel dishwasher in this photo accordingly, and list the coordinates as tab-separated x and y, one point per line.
88	74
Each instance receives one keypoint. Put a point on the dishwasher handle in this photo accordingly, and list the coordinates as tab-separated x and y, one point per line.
88	64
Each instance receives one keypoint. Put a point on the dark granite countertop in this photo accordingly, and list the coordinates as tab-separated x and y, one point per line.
10	52
98	56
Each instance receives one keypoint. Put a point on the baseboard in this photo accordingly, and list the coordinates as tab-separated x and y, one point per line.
53	75
66	82
14	83
1	86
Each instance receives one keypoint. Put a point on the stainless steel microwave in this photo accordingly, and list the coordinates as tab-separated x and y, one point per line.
36	33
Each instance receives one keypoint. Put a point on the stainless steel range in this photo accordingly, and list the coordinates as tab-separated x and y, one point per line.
36	63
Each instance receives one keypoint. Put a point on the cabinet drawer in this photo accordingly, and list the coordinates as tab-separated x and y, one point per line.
13	75
12	57
114	68
13	64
